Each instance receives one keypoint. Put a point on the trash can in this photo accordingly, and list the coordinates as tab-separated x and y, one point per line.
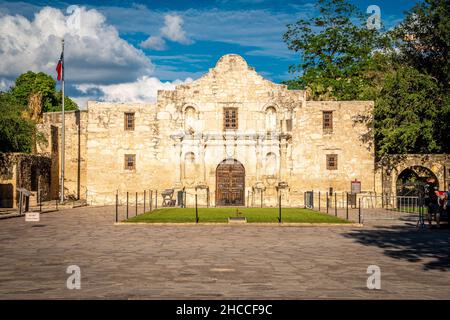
180	199
309	199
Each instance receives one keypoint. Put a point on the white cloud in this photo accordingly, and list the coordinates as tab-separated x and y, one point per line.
5	84
173	29
94	50
143	89
155	43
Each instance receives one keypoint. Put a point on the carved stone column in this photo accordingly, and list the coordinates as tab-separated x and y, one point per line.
283	157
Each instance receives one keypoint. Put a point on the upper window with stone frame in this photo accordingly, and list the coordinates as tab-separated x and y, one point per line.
129	121
230	119
327	117
332	161
130	162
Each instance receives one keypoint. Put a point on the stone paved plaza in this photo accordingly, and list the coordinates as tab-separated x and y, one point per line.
217	262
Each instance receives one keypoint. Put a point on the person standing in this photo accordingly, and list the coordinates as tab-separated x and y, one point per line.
431	200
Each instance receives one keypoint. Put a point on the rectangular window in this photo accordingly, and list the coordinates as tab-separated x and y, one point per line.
130	162
129	121
230	118
328	121
332	161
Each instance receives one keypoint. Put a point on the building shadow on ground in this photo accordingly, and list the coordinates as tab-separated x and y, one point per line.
432	246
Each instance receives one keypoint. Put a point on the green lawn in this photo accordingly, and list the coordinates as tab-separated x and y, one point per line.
178	215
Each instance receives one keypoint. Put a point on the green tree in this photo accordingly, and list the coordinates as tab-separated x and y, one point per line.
423	39
31	82
338	53
16	133
406	114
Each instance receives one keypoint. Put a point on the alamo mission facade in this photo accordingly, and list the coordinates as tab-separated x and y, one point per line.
230	131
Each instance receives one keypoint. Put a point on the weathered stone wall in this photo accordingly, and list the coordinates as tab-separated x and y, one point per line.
351	140
391	166
287	145
17	170
75	151
107	144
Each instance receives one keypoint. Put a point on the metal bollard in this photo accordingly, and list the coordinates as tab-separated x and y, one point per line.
346	202
151	200
319	200
117	208
279	208
196	209
359	210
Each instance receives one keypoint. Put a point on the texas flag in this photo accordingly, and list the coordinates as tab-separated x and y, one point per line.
60	66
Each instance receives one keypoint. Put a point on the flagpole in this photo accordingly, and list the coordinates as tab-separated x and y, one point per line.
63	129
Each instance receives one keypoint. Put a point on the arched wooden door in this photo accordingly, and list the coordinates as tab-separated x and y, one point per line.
230	183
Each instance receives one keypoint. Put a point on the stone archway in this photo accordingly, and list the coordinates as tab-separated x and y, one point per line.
411	181
230	183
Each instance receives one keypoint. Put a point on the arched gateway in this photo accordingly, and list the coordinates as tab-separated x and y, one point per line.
230	183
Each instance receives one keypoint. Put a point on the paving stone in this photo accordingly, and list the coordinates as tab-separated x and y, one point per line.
176	262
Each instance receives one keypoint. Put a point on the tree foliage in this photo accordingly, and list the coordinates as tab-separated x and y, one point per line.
16	133
336	51
31	82
18	116
423	39
406	113
405	71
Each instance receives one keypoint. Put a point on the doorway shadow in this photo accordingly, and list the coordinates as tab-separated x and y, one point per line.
406	242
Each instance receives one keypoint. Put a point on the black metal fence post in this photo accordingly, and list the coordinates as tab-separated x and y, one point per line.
359	210
56	204
156	199
327	201
127	205
117	207
145	196
319	200
196	209
335	204
151	200
279	208
346	205
20	203
136	204
261	198
40	200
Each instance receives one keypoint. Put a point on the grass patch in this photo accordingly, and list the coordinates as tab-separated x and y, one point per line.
180	215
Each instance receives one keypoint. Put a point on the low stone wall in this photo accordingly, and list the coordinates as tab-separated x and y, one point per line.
17	170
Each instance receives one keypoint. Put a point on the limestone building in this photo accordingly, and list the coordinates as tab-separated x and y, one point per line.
230	131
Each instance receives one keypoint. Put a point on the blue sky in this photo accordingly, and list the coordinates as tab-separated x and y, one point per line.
129	45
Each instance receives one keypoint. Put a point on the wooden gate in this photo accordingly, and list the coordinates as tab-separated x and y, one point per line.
230	183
